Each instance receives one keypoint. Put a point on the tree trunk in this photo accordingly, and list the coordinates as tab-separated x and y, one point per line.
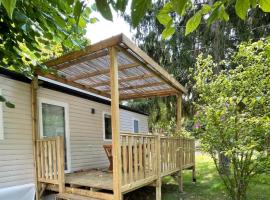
224	164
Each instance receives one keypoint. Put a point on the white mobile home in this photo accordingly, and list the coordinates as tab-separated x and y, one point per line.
83	117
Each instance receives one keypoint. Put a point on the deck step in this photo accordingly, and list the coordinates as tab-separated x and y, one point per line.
67	196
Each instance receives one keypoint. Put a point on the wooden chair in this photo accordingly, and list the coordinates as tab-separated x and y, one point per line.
108	150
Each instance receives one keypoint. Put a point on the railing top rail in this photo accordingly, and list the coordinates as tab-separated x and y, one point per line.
137	134
154	135
48	139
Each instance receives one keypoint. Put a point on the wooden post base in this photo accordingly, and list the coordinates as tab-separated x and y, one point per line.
193	174
158	189
180	181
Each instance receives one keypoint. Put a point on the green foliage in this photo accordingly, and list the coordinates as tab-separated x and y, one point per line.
9	6
32	31
265	5
213	12
179	53
233	113
241	8
104	8
138	10
7	103
193	22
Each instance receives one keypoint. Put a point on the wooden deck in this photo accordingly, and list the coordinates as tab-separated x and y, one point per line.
95	179
144	160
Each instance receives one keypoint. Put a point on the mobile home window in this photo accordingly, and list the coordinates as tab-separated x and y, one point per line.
136	126
107	126
1	120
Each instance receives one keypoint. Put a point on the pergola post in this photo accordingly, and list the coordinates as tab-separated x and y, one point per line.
115	125
178	128
178	112
34	87
158	181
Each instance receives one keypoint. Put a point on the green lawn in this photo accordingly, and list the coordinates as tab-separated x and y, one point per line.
208	186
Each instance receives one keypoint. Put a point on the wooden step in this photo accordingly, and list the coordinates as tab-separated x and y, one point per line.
67	196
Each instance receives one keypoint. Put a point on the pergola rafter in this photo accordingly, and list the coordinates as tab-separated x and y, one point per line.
83	59
105	71
123	80
139	86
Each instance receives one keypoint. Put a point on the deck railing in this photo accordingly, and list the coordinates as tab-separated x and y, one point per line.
188	158
170	149
138	155
50	161
142	153
144	159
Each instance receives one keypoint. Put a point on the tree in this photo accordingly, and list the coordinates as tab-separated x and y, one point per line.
34	31
211	10
31	31
178	53
233	113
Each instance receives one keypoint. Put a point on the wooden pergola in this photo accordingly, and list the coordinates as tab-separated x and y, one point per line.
117	69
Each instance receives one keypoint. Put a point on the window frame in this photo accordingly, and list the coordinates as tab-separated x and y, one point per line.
133	123
67	131
2	137
103	122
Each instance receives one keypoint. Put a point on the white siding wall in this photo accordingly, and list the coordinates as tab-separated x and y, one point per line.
126	121
16	161
86	129
86	132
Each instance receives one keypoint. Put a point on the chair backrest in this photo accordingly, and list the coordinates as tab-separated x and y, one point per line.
108	149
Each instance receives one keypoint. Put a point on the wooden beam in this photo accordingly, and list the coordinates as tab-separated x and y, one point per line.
34	88
60	163
153	66
178	128
142	86
158	181
81	59
117	173
123	80
151	94
89	193
88	50
104	71
178	112
77	85
139	86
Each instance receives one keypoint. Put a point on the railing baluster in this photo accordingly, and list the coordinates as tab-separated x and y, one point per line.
54	160
149	155
38	159
141	166
135	158
42	159
130	159
125	163
144	157
50	160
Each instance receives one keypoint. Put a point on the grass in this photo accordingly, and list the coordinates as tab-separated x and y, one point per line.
208	186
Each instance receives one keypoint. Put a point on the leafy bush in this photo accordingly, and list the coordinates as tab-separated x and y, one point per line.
233	112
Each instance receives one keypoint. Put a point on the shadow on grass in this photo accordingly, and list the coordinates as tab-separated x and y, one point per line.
208	186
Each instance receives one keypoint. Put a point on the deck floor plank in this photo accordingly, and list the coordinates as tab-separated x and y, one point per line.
92	178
